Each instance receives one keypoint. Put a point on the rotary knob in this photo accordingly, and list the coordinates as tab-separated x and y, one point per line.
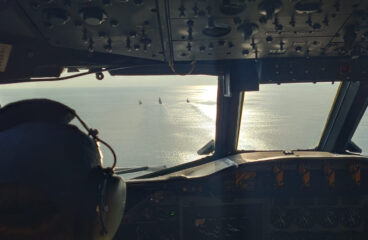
56	16
308	6
138	2
269	8
248	29
232	7
93	15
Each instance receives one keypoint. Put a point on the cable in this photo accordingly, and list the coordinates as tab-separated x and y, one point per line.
193	63
101	205
111	149
169	35
160	30
171	61
111	69
93	133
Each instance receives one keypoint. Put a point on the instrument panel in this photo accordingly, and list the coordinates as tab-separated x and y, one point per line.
203	30
312	40
274	199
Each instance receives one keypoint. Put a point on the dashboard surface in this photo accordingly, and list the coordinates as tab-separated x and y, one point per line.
265	195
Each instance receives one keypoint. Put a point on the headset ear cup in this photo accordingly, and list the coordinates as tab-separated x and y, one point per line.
115	198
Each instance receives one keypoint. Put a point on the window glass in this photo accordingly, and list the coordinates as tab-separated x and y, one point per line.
129	116
360	137
287	116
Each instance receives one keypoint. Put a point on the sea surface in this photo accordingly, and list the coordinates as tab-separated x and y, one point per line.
153	134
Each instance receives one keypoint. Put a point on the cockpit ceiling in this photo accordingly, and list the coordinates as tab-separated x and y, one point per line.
203	30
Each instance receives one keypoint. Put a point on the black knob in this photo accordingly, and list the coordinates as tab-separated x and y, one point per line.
102	35
248	28
182	11
269	39
57	16
308	7
232	7
196	10
128	47
93	15
237	20
114	23
132	34
269	8
210	46
108	46
90	46
292	21
189	47
138	2
107	2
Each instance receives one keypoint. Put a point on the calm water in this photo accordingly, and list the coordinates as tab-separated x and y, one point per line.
150	133
277	117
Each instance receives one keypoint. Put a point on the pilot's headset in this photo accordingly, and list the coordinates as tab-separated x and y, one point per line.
111	192
92	200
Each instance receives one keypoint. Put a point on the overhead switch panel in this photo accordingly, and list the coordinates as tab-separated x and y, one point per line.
194	30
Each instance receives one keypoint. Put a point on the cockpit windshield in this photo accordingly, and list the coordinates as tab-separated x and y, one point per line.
165	120
360	137
196	119
149	121
286	116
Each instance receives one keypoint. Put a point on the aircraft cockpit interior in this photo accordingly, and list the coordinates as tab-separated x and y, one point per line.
54	184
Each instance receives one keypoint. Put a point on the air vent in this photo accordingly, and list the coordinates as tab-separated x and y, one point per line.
5	50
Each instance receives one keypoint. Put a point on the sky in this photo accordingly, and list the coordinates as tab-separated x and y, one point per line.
119	81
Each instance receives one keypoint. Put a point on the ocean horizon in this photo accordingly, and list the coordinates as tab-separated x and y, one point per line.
152	134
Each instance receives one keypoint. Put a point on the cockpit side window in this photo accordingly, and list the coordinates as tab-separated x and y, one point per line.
360	137
286	116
